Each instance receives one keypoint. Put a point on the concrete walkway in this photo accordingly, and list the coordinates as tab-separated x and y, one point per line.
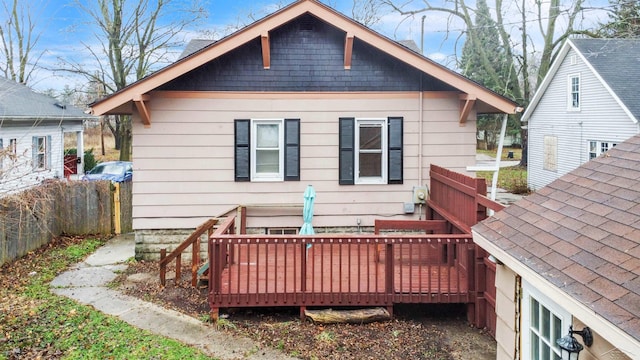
86	282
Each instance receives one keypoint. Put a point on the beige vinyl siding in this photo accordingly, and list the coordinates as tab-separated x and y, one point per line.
600	118
184	162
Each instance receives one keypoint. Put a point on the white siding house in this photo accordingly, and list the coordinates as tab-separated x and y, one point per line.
32	128
586	104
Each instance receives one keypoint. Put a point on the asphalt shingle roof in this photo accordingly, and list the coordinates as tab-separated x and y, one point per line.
618	63
19	102
582	234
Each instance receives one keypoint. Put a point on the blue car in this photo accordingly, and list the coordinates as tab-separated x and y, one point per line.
115	171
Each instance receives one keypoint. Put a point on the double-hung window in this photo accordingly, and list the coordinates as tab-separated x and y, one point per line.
41	151
267	152
267	149
574	92
371	151
543	323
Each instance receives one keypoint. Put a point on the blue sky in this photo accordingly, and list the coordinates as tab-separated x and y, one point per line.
63	27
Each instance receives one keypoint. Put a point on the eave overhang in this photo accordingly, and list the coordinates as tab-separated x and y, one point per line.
122	101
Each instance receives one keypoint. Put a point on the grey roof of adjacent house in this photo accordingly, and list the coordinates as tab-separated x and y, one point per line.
195	45
18	102
618	63
582	234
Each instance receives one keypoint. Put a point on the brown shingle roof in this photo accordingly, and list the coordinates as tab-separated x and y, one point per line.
583	234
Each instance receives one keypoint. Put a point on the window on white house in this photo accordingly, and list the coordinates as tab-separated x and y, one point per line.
543	323
41	152
550	160
574	92
13	147
597	148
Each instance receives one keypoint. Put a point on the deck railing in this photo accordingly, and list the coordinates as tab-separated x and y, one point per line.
212	227
339	270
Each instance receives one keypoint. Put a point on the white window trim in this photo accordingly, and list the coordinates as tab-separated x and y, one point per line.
38	153
570	106
611	145
384	166
528	291
279	176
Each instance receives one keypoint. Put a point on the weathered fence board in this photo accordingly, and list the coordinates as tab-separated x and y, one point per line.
33	217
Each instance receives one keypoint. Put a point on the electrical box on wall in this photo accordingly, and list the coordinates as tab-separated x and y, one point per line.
409	207
420	194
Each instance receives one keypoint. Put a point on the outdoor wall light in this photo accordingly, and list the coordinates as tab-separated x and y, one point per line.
570	347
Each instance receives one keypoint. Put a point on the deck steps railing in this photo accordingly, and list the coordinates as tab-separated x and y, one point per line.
211	226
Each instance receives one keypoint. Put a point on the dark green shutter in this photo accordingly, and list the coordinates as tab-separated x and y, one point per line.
292	149
242	134
395	164
347	154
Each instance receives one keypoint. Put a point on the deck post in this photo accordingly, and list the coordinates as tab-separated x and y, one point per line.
302	315
195	261
178	269
163	267
388	272
215	314
480	279
303	269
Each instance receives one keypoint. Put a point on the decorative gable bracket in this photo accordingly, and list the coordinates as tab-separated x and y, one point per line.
266	50
143	110
348	51
467	101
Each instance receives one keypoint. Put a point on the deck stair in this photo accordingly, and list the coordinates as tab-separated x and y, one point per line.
217	225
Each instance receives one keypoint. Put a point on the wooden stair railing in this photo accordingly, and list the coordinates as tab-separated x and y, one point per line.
193	239
213	226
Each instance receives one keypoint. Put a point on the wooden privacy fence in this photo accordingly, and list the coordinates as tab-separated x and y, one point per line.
339	270
32	218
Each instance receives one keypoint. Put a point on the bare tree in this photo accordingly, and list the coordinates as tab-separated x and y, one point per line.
134	37
518	23
366	12
19	39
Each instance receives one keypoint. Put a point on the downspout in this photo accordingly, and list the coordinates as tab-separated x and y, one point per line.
494	180
421	118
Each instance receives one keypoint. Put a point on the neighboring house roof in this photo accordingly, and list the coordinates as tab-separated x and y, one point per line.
122	101
581	234
18	102
615	62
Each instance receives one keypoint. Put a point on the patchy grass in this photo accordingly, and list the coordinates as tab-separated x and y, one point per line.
35	323
513	179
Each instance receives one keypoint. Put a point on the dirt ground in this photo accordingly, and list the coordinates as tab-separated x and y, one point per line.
416	332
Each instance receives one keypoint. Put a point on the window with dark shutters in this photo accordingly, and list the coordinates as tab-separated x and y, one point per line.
242	150
394	150
292	149
395	163
347	155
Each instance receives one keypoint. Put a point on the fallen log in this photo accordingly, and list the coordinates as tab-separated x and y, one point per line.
359	316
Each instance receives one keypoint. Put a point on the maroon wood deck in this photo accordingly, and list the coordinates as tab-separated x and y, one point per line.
339	270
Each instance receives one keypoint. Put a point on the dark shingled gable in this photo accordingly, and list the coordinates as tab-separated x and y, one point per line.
589	227
307	54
